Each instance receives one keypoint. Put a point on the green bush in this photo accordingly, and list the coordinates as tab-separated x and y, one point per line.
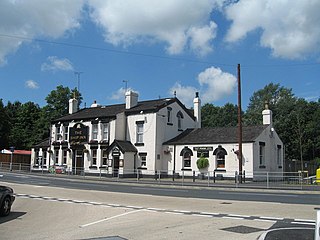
202	162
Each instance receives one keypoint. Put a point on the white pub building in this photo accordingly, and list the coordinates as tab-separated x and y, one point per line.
155	135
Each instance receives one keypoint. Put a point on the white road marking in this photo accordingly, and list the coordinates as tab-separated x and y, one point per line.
264	220
110	218
304	223
271	218
181	211
200	215
235	218
304	220
240	216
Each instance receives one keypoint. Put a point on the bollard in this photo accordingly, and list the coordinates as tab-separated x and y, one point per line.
173	172
317	229
236	177
244	176
193	176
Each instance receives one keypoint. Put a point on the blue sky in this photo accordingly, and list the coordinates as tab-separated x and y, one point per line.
158	47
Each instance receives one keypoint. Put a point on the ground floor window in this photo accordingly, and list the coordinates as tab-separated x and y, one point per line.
220	153
65	154
104	157
56	157
143	160
94	157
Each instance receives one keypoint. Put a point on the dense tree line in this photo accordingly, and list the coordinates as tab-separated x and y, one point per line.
295	120
22	125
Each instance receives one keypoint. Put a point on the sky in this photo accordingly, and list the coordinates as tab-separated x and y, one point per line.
156	48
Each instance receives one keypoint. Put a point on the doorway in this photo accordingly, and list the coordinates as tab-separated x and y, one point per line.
77	162
115	166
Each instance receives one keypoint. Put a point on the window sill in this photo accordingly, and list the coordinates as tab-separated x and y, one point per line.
186	169
93	167
170	124
142	168
262	166
139	144
180	130
279	166
103	167
220	170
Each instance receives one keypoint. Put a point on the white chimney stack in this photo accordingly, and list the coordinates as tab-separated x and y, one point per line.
73	105
131	99
197	110
267	115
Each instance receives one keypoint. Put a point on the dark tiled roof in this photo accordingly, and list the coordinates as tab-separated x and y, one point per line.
110	112
43	144
124	146
217	135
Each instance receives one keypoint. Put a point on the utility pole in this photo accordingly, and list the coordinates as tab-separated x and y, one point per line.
239	126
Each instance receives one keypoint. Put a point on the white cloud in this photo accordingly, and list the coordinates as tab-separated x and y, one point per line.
214	84
55	64
29	19
178	24
120	94
289	28
184	93
31	84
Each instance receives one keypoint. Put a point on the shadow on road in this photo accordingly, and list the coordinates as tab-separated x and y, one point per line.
12	216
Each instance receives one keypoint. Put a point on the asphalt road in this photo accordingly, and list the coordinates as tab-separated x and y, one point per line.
69	208
255	195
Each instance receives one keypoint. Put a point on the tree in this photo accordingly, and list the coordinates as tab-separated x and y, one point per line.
58	101
4	127
225	116
23	126
274	95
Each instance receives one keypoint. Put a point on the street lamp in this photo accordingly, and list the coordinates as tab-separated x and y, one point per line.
11	150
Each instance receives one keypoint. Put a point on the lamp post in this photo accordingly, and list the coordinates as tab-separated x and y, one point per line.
11	150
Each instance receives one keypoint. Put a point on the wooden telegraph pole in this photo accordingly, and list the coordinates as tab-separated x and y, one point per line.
239	126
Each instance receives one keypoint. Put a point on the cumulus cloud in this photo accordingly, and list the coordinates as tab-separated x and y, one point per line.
120	93
178	24
31	84
289	28
214	84
184	93
55	64
21	21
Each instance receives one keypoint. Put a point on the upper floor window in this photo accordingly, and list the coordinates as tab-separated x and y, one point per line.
139	132
58	133
105	131
169	115
65	133
180	118
279	156
94	131
262	147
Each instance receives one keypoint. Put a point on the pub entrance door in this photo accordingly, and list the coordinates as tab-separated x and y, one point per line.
115	166
77	162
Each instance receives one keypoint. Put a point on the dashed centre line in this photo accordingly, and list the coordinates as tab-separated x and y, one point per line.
167	211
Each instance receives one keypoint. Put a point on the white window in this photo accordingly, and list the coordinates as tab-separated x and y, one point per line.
143	160
187	160
94	157
169	115
262	146
105	131
104	157
139	132
56	157
279	158
65	154
180	118
220	153
44	157
58	133
66	133
94	131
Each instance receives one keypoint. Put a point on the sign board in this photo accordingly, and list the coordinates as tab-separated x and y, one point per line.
202	148
115	152
78	134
